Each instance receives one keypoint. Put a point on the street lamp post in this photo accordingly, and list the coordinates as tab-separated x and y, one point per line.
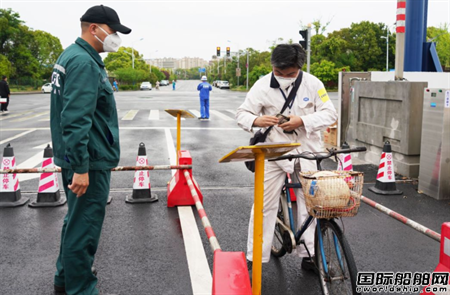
149	57
132	49
387	49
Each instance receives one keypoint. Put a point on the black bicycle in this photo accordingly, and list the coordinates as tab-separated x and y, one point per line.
329	195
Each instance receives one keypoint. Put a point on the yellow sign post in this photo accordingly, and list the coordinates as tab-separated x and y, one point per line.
179	114
259	153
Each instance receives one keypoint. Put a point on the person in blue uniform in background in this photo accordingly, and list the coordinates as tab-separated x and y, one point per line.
204	89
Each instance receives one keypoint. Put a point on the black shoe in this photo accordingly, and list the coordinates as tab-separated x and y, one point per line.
200	118
308	264
62	290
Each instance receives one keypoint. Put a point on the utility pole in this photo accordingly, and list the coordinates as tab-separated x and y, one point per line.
400	40
309	48
387	48
248	65
238	68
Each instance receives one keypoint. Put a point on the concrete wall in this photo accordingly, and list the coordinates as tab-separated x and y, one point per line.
434	80
389	111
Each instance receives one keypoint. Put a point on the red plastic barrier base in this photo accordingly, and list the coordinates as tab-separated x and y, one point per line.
178	192
444	257
230	274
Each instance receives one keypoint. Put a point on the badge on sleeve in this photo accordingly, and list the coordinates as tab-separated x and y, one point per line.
323	95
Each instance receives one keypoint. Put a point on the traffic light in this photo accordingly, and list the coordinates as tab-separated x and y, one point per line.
228	51
218	51
304	34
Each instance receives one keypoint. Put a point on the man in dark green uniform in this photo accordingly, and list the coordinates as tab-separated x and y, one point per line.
85	137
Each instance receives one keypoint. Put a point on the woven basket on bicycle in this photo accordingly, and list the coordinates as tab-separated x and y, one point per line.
330	194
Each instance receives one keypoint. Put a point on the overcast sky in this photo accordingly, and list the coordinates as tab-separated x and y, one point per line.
194	28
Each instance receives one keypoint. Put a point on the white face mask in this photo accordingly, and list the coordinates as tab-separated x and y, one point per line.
111	43
285	82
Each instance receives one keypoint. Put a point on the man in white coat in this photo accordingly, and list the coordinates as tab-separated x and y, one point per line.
310	111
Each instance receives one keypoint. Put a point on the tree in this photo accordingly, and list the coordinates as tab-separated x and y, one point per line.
123	58
49	48
365	45
441	36
129	75
5	66
324	71
9	28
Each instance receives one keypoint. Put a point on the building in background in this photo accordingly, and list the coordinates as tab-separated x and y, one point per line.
173	63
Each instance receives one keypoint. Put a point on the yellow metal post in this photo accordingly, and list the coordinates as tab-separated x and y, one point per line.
258	222
178	134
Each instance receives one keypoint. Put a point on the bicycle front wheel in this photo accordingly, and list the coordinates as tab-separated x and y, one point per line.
334	258
278	249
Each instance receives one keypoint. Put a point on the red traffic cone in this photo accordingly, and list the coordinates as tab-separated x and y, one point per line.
141	185
10	195
385	184
440	278
48	191
345	160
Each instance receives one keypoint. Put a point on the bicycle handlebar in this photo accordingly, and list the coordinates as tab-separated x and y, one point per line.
320	155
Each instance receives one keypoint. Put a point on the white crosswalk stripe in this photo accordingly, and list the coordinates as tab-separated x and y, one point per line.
195	112
125	115
30	117
220	115
130	115
154	115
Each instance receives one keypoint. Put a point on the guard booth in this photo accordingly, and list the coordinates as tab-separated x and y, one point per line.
388	111
434	176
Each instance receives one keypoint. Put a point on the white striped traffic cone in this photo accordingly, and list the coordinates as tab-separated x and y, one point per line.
385	184
141	184
48	191
10	195
345	160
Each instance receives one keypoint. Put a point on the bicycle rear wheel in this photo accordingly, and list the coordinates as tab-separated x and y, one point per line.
338	275
278	249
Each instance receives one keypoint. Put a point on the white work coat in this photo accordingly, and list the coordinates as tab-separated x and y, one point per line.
311	103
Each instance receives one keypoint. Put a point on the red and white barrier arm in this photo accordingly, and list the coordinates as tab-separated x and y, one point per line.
201	211
420	228
119	168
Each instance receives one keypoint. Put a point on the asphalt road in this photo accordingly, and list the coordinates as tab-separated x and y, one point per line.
144	248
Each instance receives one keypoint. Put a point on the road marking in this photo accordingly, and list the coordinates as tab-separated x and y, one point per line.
8	116
30	163
199	271
43	146
130	115
154	115
45	119
135	128
175	118
30	117
17	136
220	115
195	112
201	279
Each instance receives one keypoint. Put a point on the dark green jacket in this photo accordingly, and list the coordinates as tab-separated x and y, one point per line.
83	118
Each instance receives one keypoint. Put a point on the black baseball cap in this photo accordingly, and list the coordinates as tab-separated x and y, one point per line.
105	15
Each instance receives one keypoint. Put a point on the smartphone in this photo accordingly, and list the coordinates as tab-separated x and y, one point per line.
282	118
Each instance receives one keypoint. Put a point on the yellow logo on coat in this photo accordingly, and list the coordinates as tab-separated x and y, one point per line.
323	95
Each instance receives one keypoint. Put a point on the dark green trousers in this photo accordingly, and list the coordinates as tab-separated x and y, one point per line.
80	233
